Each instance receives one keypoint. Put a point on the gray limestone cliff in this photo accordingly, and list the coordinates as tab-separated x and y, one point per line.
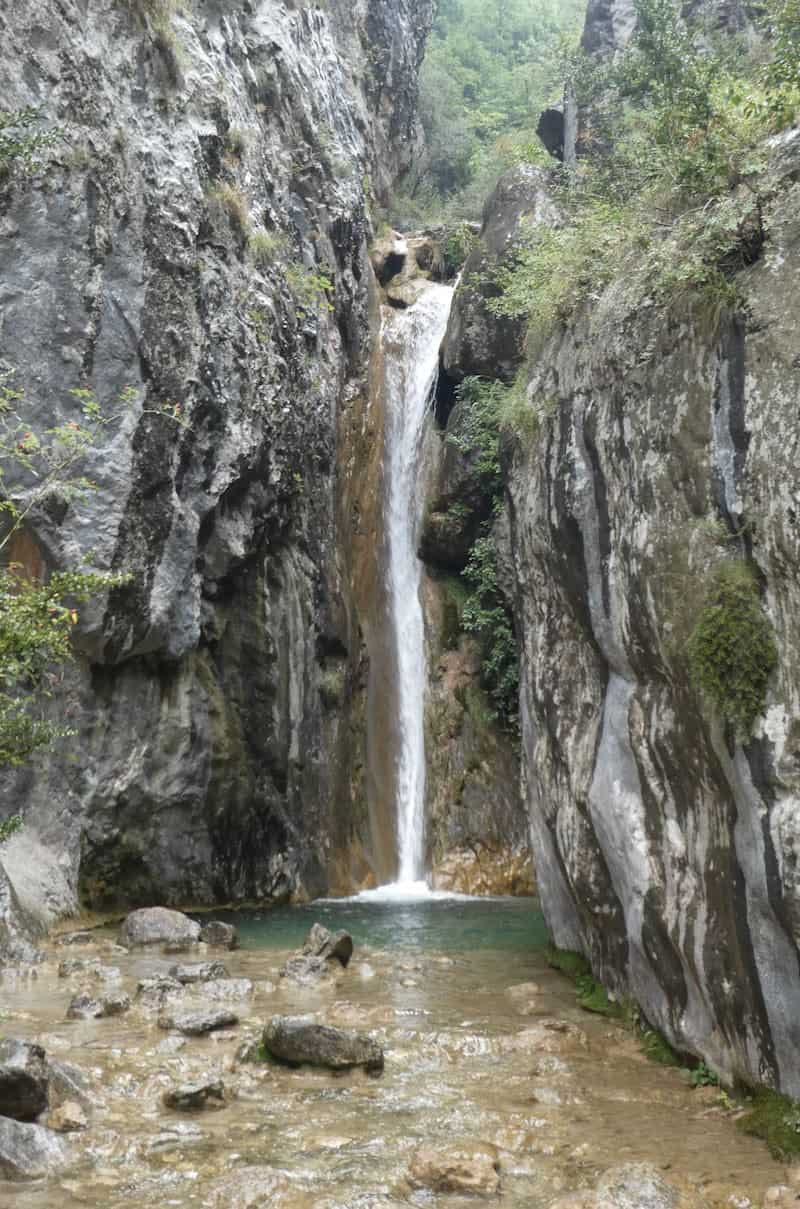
198	233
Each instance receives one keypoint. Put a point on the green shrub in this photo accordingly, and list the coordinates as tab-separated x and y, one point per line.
9	827
703	1076
776	1119
457	244
732	651
265	247
658	1049
21	140
309	288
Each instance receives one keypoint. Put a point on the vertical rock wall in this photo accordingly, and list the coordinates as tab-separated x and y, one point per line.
198	232
665	848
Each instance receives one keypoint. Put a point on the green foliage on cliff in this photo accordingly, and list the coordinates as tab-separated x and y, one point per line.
486	615
732	651
668	185
21	140
490	67
38	615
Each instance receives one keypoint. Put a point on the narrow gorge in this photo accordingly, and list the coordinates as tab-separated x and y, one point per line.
423	751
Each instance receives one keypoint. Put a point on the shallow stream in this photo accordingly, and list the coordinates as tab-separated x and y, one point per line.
483	1043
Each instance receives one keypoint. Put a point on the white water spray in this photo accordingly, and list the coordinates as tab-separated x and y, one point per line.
411	341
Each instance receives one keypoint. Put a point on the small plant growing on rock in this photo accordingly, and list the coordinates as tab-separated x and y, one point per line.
265	247
21	140
232	202
731	651
308	287
776	1119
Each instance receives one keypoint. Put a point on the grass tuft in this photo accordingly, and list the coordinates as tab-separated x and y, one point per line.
776	1119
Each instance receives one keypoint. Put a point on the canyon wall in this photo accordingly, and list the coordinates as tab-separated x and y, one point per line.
198	233
665	447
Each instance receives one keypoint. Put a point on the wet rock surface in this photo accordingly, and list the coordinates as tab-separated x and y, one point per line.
189	1097
89	1007
201	971
24	1079
331	946
219	935
28	1152
197	1024
298	1041
461	1167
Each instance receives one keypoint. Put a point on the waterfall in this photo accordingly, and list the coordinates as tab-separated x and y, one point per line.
410	339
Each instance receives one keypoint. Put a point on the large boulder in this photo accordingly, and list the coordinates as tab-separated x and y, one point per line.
158	926
478	342
24	1079
28	1152
298	1041
471	1167
636	1186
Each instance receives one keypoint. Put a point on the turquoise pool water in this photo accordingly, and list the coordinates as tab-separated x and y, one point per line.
436	924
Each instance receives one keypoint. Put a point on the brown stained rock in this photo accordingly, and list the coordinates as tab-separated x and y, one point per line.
471	1167
69	1117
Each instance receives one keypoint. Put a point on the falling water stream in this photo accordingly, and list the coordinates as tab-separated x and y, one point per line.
411	339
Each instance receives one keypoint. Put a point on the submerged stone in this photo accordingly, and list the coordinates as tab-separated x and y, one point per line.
297	1041
28	1152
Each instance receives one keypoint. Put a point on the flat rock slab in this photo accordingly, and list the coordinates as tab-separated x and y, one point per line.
85	1007
28	1152
298	1041
158	926
199	971
24	1079
470	1167
154	992
197	1024
189	1097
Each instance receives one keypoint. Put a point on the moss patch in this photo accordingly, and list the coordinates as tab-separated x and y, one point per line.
731	651
593	997
776	1119
658	1049
568	962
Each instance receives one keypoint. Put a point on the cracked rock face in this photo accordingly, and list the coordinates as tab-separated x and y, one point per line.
198	233
663	849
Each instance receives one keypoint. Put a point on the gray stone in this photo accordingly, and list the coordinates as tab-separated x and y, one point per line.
197	1024
307	971
158	926
635	1186
85	1007
24	1079
219	935
180	1135
297	1041
202	971
189	1097
332	946
29	1152
68	1083
156	991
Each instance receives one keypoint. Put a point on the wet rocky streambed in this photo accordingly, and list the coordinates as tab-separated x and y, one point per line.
495	1085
